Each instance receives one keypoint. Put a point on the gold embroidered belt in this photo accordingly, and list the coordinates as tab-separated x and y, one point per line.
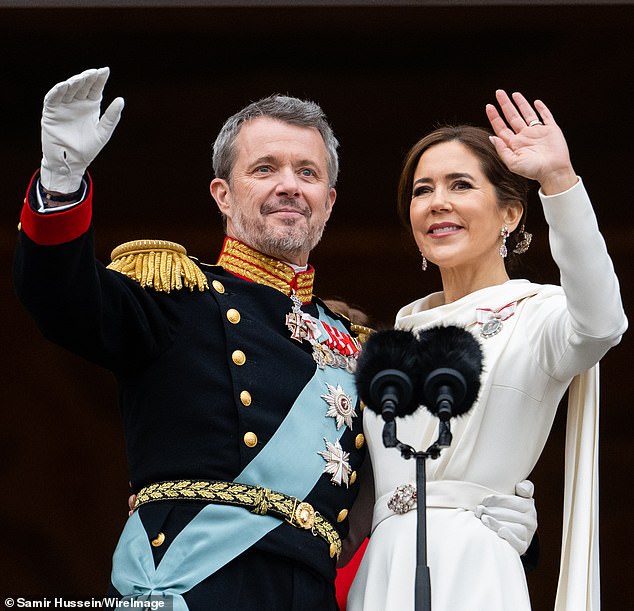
256	499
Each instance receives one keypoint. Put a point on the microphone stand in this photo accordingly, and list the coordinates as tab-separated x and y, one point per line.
422	591
441	388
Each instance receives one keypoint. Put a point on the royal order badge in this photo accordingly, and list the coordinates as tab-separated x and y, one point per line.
340	406
491	320
337	465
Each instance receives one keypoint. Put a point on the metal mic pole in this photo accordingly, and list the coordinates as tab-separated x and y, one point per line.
422	594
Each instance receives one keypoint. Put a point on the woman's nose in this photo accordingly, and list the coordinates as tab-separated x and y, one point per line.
440	200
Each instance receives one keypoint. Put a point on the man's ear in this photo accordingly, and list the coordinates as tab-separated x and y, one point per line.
220	191
330	202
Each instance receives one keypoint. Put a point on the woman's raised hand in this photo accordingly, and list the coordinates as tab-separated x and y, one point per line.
530	143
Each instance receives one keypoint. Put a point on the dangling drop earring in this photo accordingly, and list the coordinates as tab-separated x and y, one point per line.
505	234
423	264
524	241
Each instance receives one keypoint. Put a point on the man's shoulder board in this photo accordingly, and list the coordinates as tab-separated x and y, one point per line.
158	264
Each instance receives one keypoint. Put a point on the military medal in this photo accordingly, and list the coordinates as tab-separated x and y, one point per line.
337	465
340	406
324	356
491	320
491	327
331	347
295	320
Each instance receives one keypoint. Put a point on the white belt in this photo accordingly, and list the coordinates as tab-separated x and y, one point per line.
444	493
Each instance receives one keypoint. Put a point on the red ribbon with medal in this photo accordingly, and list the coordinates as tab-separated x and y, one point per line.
331	347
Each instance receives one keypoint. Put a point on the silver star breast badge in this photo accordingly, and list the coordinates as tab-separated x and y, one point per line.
340	406
337	464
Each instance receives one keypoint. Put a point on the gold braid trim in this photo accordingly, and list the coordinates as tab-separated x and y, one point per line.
244	261
361	332
256	499
159	264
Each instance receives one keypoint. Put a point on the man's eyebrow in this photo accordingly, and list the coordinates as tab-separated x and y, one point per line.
264	159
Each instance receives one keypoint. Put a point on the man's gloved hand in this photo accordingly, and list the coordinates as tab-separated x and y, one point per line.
513	517
72	132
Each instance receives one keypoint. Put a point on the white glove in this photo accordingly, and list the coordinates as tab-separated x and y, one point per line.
513	517
72	133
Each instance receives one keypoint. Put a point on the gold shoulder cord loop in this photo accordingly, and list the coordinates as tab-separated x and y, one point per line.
159	264
361	332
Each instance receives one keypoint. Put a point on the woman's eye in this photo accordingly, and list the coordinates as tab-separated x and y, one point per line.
422	190
462	184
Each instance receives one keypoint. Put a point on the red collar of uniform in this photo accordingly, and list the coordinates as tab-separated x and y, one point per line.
245	262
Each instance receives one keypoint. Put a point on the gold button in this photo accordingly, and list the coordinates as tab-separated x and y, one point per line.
238	357
218	286
158	541
359	441
343	514
20	226
233	316
245	397
353	477
250	439
333	550
361	405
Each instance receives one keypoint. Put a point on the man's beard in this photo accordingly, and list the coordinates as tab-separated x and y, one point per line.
283	242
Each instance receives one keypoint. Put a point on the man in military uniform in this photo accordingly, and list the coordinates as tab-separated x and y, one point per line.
242	423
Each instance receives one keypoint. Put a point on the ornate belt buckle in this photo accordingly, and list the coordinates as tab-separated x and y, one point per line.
403	499
304	516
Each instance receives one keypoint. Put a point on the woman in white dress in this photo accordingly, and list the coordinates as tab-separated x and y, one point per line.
464	194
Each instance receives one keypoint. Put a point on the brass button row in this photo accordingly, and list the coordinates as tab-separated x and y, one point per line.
237	356
233	316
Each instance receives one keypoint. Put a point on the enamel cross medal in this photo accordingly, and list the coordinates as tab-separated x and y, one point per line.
295	320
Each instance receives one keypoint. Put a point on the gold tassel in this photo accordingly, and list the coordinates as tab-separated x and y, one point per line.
159	264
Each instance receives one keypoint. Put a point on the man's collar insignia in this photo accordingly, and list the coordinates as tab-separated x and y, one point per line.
249	264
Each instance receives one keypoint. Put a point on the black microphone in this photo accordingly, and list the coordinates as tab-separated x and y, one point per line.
388	374
388	377
451	362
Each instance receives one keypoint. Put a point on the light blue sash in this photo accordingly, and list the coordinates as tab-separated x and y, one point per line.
288	463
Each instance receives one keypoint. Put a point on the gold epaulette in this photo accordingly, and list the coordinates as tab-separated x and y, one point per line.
361	332
159	264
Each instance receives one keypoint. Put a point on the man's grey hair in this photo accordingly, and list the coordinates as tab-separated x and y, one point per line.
294	111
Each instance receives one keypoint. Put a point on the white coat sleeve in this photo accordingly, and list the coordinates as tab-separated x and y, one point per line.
592	319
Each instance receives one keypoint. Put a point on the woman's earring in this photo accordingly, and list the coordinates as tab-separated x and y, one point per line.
524	241
423	264
505	234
